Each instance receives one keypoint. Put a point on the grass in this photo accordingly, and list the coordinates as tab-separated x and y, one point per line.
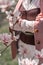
6	58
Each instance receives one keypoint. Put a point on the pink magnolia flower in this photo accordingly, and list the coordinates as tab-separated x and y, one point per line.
6	3
6	38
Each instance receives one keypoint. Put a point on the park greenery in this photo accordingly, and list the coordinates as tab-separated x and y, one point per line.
6	57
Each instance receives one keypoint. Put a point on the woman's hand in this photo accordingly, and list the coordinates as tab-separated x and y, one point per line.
39	17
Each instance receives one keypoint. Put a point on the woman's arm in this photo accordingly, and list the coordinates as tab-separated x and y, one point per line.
26	24
17	6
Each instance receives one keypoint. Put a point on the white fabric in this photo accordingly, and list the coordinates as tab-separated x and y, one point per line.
26	61
25	24
30	50
28	24
28	6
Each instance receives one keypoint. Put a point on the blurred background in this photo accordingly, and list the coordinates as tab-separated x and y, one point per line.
6	57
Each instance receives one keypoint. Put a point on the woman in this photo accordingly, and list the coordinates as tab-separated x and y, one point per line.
27	10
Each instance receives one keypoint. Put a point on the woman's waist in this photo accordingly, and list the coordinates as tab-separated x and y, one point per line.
27	38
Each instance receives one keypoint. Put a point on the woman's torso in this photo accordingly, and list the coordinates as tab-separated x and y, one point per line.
29	10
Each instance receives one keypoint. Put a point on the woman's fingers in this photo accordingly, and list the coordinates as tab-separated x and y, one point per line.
39	16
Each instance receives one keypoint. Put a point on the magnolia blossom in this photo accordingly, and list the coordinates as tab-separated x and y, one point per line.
6	3
6	38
